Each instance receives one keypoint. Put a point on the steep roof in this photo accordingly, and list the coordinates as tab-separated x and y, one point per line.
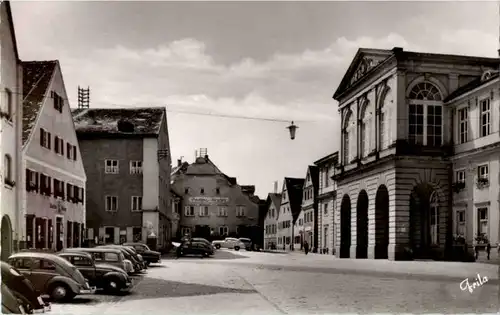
11	26
314	171
294	188
144	121
275	199
37	76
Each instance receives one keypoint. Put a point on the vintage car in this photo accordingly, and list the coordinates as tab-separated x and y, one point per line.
149	256
51	274
193	247
141	259
229	242
111	256
203	240
129	254
10	304
248	243
23	289
109	278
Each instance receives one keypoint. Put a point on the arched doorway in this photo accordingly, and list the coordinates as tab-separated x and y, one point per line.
6	243
345	227
424	221
362	225
381	222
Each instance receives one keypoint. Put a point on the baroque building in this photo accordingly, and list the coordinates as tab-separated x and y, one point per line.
395	173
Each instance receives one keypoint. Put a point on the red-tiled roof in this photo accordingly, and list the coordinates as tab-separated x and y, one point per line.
37	76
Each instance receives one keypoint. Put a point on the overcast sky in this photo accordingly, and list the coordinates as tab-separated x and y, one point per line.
278	60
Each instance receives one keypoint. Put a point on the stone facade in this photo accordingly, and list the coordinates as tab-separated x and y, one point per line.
11	115
213	204
395	170
54	181
476	161
327	193
126	154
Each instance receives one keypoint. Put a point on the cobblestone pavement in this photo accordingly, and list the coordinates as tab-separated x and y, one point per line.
261	283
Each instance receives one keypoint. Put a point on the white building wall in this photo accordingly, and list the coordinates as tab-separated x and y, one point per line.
48	162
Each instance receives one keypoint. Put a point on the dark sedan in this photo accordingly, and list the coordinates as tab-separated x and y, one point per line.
23	289
148	255
10	304
103	276
193	247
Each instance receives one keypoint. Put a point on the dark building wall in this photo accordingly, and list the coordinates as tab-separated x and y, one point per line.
124	185
165	169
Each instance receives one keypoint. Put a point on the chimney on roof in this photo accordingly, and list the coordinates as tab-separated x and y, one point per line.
276	187
195	154
179	162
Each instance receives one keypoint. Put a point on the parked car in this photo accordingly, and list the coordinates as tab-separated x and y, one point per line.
248	242
103	276
229	242
11	304
129	254
203	240
51	274
150	256
111	256
193	247
23	289
139	256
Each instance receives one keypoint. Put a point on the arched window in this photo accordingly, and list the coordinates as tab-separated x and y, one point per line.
7	168
384	120
349	140
425	115
365	129
434	219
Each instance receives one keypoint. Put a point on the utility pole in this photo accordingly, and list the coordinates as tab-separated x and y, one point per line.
83	97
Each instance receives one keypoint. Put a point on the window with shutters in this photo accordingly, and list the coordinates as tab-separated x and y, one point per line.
58	101
45	138
45	185
31	180
58	189
58	145
240	211
222	211
70	193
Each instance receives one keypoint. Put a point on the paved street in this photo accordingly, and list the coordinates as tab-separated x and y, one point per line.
254	283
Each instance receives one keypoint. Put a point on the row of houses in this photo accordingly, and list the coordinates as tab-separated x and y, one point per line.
418	170
50	152
304	210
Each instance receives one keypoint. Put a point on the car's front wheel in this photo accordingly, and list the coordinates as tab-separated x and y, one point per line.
217	246
61	292
236	248
113	286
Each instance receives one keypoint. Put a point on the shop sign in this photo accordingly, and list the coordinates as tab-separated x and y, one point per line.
209	200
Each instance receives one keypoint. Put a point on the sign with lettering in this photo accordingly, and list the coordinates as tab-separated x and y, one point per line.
209	200
59	207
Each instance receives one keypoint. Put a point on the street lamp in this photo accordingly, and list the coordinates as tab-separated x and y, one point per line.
292	128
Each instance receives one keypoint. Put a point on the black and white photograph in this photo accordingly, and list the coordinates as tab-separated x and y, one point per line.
250	157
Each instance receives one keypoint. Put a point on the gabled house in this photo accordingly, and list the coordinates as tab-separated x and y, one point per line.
126	154
53	198
291	201
273	203
214	204
327	198
309	209
11	115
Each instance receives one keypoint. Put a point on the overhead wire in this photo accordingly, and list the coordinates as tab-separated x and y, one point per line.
171	110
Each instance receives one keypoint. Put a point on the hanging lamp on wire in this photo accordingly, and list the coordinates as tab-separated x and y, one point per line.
292	128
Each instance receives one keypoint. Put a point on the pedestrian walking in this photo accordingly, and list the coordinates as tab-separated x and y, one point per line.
488	249
306	247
